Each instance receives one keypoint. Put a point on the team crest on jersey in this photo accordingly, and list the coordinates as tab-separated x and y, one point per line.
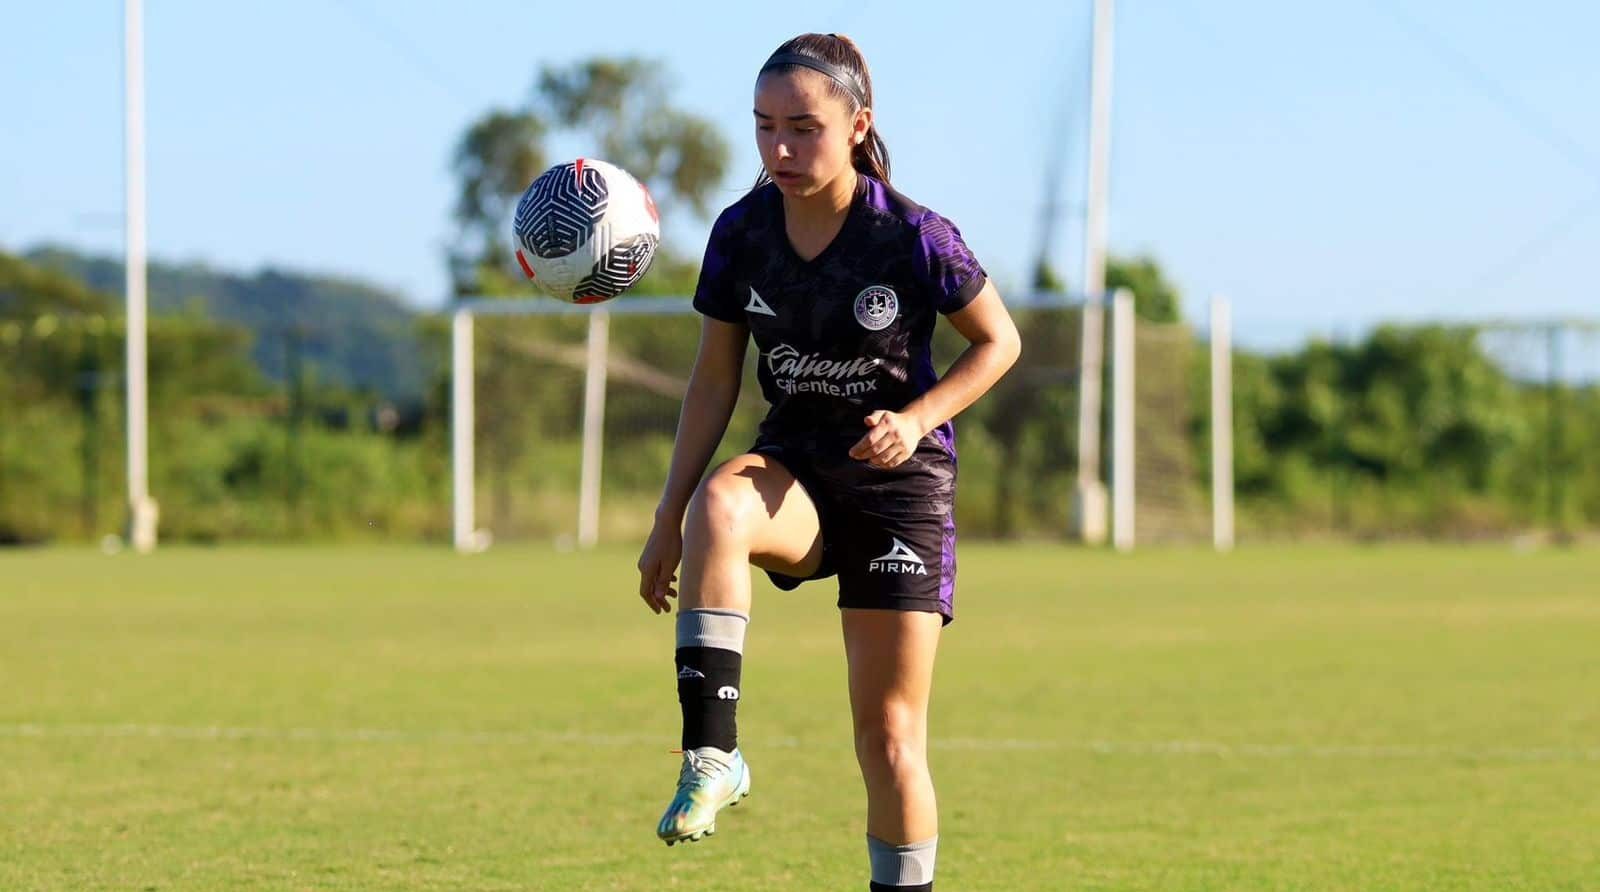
876	307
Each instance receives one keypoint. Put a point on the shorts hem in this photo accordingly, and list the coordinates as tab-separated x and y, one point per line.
904	603
787	583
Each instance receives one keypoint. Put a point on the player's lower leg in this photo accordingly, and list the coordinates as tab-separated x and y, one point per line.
891	657
902	814
710	647
714	610
729	523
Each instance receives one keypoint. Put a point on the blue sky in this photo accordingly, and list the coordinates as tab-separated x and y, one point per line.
1325	165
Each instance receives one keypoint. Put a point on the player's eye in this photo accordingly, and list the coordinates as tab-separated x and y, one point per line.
805	130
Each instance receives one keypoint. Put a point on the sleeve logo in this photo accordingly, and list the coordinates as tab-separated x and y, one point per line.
757	305
876	307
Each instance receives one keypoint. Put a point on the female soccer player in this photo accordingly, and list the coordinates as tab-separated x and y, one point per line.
840	279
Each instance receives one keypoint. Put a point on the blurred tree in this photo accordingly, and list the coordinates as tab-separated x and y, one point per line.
624	105
498	157
1047	280
27	290
1154	298
1410	413
1427	401
621	108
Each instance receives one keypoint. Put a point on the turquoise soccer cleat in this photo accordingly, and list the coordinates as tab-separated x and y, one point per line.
709	780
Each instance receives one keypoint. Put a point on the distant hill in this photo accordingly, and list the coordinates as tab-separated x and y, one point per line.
353	334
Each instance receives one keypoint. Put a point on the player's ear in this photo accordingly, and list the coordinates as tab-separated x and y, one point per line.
863	126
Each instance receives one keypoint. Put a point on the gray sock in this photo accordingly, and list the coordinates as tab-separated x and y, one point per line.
712	627
906	865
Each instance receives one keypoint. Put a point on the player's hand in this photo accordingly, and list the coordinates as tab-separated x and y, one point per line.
658	566
891	439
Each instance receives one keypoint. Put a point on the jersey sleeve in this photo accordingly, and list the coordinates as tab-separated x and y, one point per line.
714	294
947	268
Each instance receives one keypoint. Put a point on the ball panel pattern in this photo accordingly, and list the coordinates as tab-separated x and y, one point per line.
586	231
620	268
561	209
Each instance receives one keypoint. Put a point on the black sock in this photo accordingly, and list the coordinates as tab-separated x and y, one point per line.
879	887
708	693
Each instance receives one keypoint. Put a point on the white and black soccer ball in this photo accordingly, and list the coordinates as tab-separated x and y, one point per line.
586	231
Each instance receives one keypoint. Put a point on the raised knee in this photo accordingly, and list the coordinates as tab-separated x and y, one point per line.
721	508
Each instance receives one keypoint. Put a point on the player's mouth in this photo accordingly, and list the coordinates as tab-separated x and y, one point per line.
786	176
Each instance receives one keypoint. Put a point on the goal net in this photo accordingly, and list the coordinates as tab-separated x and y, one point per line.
571	416
1550	421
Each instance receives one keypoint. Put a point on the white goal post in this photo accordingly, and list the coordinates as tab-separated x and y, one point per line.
468	537
1221	424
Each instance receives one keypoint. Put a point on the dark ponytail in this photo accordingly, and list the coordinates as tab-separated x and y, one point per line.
839	52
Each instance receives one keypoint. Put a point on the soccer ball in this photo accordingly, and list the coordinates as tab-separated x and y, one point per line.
586	231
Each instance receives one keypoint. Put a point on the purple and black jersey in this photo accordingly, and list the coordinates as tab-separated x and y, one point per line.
850	331
841	336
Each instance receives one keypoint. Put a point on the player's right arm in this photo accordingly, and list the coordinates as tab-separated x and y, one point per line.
707	406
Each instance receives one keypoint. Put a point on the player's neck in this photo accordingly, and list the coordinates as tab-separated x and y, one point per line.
825	208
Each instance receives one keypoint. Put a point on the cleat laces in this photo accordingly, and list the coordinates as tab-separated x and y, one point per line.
698	767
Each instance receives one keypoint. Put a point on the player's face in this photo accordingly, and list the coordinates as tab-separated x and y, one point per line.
804	131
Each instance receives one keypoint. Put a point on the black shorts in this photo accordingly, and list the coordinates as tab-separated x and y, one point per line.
889	535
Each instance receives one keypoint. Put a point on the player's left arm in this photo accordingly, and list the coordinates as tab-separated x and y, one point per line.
993	346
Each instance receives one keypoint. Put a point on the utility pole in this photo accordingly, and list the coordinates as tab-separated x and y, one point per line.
142	511
1089	498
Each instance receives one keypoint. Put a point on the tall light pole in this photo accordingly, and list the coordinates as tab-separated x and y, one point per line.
141	508
1089	497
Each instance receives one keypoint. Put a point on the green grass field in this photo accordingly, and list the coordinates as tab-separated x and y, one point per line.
1286	719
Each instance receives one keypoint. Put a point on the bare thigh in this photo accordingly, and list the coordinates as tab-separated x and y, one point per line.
753	502
891	655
